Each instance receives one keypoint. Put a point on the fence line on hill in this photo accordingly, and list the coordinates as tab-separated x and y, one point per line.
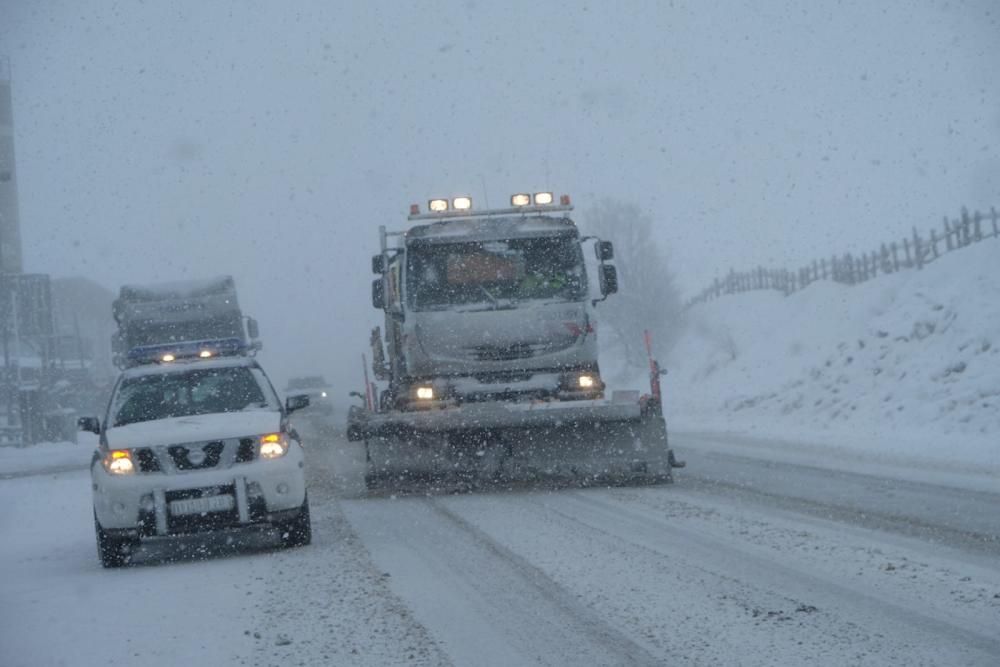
912	252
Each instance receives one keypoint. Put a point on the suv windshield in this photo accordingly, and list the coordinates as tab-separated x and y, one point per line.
195	392
495	273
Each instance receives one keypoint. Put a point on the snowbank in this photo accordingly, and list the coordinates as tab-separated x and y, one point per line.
48	456
908	364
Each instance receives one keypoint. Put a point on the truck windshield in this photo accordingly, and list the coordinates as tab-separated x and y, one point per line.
494	273
195	392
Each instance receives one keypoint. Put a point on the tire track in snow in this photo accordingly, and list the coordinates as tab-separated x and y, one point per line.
483	604
857	500
802	585
588	621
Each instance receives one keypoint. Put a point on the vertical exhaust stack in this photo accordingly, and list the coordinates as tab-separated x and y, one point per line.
10	223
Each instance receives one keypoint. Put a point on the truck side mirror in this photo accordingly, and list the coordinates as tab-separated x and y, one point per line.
89	425
252	328
378	264
609	279
605	250
378	294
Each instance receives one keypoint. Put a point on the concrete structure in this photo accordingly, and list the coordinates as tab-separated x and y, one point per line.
10	223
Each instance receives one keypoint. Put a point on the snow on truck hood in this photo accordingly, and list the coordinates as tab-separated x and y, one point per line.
197	428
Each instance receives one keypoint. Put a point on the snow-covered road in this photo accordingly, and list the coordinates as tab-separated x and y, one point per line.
745	560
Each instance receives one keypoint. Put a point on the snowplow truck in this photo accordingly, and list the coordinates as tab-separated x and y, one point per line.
489	360
168	321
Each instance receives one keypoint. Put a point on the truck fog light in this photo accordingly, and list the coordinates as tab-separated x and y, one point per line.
119	508
254	490
282	488
146	504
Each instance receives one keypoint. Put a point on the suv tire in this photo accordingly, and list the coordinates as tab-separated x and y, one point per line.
298	531
113	551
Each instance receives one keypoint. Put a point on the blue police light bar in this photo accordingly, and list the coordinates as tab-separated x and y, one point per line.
194	349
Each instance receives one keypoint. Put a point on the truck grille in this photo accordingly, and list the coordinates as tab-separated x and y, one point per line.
516	350
505	352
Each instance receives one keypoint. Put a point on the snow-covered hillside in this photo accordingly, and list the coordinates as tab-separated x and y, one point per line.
908	364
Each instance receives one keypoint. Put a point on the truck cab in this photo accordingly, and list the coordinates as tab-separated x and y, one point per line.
489	305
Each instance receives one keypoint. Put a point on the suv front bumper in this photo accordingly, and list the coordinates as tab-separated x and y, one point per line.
263	491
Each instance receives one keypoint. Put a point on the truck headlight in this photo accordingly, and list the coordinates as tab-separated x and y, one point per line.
119	462
587	381
273	446
425	393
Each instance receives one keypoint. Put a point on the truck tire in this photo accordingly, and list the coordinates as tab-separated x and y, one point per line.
113	551
298	531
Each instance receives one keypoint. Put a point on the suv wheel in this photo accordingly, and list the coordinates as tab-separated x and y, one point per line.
298	531
113	551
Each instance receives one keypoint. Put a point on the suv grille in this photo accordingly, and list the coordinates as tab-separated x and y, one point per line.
147	460
247	451
196	457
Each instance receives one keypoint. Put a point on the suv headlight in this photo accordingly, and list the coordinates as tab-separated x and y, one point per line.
119	462
273	446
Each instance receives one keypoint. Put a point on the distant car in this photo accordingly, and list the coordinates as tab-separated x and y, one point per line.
320	393
192	446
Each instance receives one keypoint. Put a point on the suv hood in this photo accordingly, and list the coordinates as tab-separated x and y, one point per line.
197	428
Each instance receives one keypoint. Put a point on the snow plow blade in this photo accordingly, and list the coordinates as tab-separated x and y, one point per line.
617	441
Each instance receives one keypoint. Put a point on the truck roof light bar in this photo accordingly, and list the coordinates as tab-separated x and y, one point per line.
437	205
514	210
414	209
194	349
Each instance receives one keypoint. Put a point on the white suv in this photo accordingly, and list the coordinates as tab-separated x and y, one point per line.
198	445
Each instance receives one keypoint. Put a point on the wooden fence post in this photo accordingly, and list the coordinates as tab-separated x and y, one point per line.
895	257
906	247
965	238
918	249
977	224
934	242
947	235
993	219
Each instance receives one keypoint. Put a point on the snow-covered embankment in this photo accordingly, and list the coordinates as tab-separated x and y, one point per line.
904	365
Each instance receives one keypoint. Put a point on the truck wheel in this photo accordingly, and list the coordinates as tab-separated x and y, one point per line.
298	531
113	551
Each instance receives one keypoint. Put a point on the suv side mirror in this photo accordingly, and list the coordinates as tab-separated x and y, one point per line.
605	250
378	264
252	328
89	425
609	279
296	402
378	294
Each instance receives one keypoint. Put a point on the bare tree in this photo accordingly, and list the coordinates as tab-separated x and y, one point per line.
648	297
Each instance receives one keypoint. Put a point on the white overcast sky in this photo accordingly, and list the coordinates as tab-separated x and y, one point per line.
157	141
